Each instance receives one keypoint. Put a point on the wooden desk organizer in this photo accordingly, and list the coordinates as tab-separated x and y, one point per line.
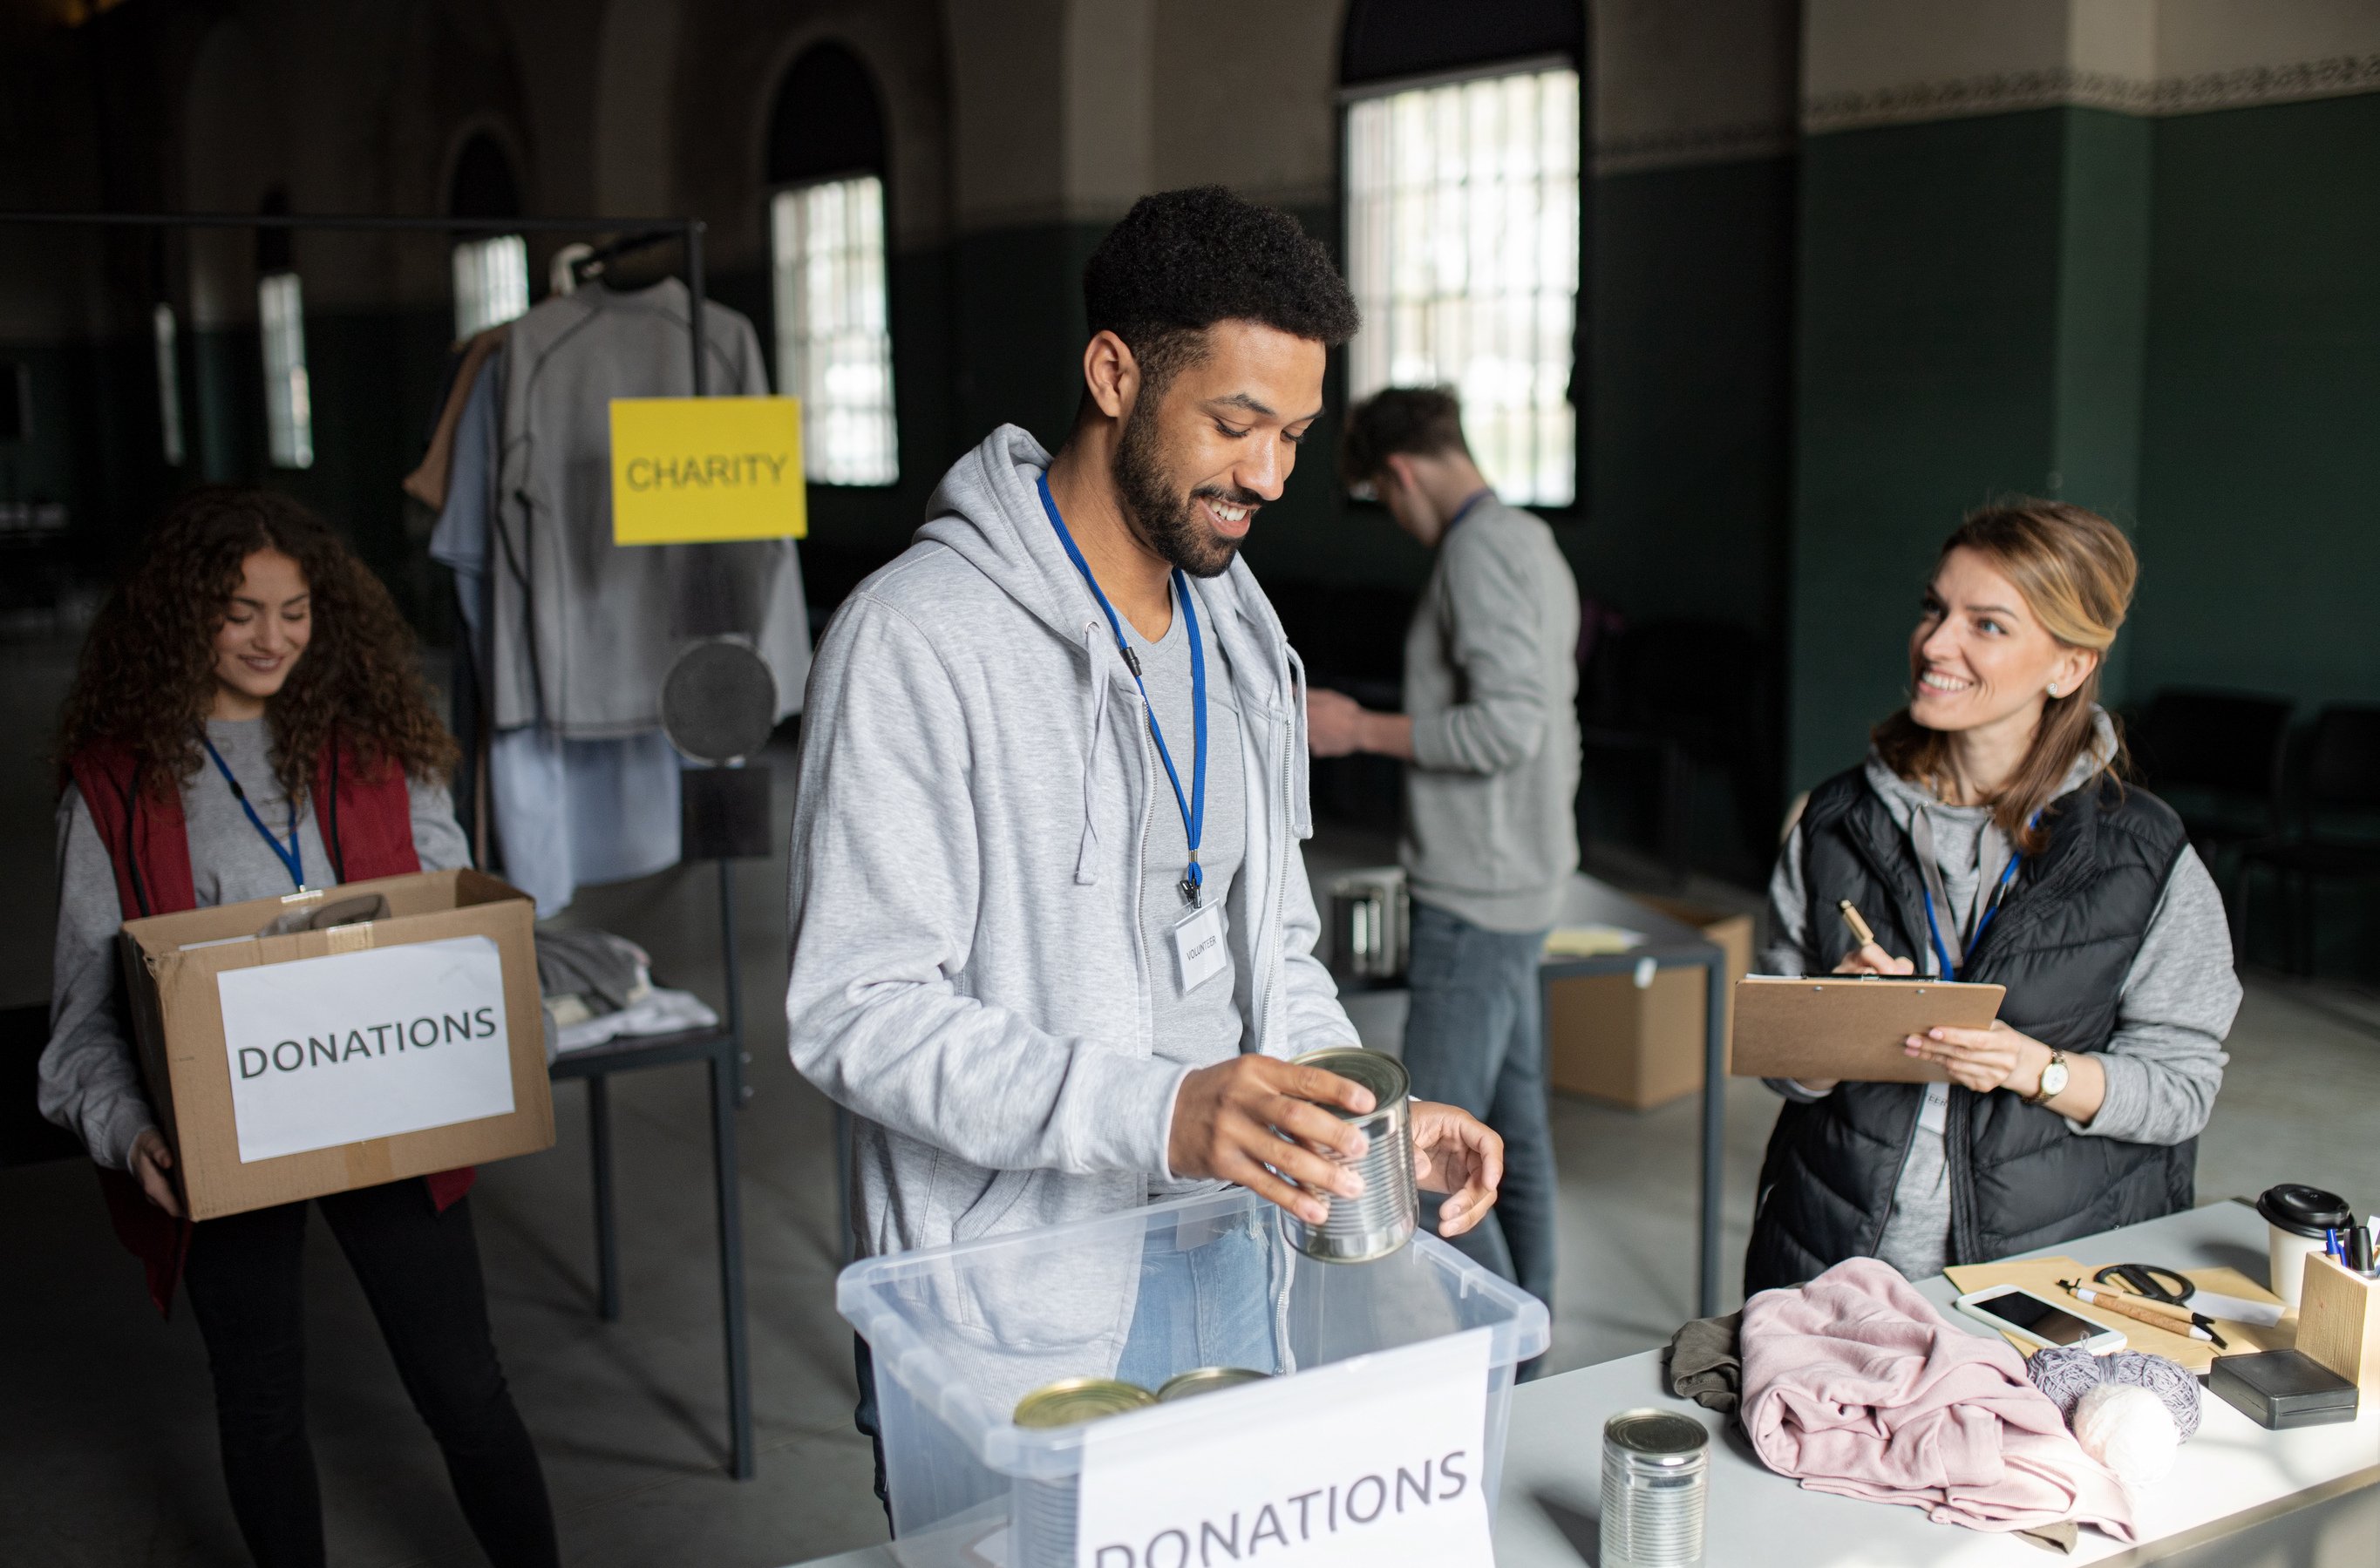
2338	1321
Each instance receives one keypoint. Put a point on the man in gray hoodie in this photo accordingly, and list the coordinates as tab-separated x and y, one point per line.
1489	737
1052	935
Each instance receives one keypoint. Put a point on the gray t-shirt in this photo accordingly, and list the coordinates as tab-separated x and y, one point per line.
1202	1026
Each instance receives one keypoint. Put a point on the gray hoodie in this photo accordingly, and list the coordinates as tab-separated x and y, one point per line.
968	974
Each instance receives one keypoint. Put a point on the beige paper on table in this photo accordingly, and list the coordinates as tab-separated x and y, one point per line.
2041	1275
1850	1027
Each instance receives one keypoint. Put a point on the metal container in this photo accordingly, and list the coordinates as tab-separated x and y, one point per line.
1206	1380
1043	1512
1371	926
1383	1218
1656	1476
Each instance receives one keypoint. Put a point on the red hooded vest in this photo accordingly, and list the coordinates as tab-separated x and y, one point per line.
366	817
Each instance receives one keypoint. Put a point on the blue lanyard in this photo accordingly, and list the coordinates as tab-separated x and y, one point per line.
293	858
1934	928
1469	502
1194	807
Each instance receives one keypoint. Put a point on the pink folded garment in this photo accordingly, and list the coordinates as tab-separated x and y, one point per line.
1856	1385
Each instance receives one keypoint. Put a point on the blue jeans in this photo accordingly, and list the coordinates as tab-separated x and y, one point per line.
1475	1038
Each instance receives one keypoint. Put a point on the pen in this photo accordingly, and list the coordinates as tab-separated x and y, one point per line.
2108	1301
1852	919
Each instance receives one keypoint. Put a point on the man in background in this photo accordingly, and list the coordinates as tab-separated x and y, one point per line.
1489	739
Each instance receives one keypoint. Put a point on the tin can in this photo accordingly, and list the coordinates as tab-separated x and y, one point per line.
1371	926
1656	1474
1383	1218
1042	1511
1206	1380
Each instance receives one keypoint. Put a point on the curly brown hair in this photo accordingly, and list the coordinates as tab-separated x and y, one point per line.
146	679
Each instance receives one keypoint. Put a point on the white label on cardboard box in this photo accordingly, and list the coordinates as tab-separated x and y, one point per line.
361	1045
1380	1461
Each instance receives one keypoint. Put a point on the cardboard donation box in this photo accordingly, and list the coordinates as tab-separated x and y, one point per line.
1642	1046
287	1066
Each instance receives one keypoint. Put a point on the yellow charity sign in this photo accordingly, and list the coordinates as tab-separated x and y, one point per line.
696	470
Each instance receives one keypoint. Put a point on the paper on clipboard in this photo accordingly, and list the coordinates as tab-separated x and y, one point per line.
1850	1027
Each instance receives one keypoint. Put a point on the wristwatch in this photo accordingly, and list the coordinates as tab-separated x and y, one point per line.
2053	1080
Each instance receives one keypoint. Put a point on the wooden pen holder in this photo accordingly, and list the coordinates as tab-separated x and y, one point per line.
2338	1321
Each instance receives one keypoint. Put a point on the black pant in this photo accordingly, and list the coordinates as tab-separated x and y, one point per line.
421	1272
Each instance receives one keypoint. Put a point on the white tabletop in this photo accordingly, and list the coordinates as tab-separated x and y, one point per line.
2232	1472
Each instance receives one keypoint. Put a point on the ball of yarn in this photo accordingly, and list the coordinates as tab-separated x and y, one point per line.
2065	1373
2125	1427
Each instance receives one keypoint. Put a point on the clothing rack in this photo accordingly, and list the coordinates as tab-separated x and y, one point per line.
722	1048
652	230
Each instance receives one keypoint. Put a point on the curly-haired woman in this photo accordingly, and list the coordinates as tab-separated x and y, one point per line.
247	719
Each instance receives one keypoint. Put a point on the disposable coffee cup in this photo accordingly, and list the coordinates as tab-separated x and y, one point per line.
2297	1219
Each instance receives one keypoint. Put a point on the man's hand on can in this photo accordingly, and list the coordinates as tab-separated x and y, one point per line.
1224	1118
1457	1154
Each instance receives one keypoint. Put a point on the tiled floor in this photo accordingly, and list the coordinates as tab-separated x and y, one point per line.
105	1432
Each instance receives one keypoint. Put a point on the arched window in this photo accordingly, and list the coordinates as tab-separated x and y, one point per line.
826	231
281	317
490	270
1463	144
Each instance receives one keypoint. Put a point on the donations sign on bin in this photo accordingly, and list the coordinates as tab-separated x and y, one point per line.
702	470
315	1061
1379	1461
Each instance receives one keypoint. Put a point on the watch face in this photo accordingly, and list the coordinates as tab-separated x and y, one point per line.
2052	1080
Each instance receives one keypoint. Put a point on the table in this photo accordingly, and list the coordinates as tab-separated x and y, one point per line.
2314	1491
2224	1481
1668	944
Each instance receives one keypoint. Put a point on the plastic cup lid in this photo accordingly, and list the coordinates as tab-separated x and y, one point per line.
2304	1211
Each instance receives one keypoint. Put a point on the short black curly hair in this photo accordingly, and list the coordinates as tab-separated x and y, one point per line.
1181	260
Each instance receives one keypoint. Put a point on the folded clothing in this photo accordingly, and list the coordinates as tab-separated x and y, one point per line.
1704	1365
658	1011
605	972
1855	1385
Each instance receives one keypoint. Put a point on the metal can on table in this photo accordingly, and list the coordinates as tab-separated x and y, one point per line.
1656	1476
1206	1380
1043	1510
1383	1218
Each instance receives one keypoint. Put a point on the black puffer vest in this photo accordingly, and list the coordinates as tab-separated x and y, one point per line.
2063	942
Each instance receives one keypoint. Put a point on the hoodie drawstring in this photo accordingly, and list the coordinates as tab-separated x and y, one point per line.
1086	863
1301	818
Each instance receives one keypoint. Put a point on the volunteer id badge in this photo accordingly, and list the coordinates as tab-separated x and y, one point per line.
1198	955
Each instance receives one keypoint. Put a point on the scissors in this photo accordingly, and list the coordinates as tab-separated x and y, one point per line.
2148	1279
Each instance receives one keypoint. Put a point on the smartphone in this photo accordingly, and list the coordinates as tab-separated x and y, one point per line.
2017	1311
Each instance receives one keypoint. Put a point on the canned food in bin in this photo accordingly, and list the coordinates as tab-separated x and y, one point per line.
1382	1218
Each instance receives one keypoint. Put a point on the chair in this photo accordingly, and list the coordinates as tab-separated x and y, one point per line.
26	1137
2220	752
2340	778
1681	695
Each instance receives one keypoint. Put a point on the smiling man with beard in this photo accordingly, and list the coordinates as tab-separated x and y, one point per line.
1052	935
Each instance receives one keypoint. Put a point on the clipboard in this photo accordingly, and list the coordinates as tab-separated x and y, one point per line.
1850	1027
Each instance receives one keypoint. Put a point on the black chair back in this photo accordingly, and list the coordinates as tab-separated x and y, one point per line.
2343	760
2228	741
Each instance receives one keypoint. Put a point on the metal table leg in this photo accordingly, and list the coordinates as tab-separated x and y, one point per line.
724	1081
607	1241
1714	1134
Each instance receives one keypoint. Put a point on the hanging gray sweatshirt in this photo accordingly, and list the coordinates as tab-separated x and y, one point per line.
2165	1062
89	1079
969	974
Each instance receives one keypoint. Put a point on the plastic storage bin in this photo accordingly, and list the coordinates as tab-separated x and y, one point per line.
960	1333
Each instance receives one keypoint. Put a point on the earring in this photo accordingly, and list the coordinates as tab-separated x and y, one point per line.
2053	688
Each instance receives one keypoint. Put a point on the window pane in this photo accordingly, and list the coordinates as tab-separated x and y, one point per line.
1463	251
834	349
491	282
169	383
289	411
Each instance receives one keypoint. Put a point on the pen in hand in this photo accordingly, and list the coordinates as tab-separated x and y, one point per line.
1851	918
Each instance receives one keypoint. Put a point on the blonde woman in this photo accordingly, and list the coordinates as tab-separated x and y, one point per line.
1988	837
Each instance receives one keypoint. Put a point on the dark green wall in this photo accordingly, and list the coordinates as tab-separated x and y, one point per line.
1972	307
2260	488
